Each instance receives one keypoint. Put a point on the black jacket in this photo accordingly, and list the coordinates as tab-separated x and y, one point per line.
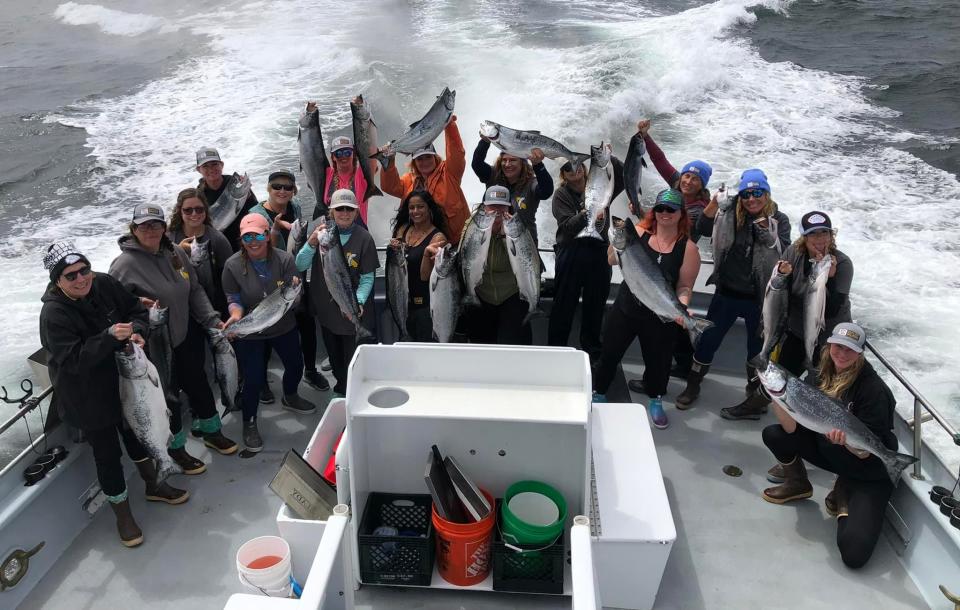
81	362
873	403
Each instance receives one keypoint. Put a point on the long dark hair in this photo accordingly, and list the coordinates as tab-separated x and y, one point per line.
176	218
437	216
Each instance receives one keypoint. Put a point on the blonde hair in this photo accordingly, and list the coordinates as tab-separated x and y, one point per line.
768	209
801	244
834	383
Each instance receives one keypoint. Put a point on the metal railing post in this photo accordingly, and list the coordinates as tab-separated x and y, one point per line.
917	437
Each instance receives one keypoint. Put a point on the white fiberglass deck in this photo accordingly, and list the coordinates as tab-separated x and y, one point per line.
733	550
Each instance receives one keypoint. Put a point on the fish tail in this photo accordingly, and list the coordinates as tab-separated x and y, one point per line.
382	158
589	231
896	464
362	333
533	314
696	330
167	468
372	191
578	159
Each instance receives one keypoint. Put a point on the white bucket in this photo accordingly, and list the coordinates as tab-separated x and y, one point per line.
274	580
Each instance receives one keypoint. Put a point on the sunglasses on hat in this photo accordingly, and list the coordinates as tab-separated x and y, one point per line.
82	271
250	237
754	193
343	153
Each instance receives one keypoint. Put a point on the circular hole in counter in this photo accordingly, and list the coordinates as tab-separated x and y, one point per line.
388	398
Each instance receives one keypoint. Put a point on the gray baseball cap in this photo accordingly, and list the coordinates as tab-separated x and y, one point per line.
426	150
206	155
849	335
497	195
146	212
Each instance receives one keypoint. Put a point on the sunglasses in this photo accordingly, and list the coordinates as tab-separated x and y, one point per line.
151	225
344	208
343	153
662	209
82	271
250	237
752	193
282	187
193	211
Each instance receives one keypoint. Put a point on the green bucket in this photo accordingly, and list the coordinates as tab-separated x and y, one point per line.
542	513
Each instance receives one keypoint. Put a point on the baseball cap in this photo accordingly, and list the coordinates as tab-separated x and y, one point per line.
253	223
340	142
343	198
282	173
753	179
849	335
497	195
207	154
670	198
700	169
815	221
146	212
426	150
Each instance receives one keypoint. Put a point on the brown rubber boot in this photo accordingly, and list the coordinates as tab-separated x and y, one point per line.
752	407
796	485
187	462
159	492
130	533
836	500
775	474
690	393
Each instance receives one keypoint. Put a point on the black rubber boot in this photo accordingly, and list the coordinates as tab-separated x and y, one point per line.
752	407
690	393
159	492
130	533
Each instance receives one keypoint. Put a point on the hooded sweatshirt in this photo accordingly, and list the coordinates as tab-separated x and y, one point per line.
150	275
81	351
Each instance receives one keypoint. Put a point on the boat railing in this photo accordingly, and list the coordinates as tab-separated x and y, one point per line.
923	411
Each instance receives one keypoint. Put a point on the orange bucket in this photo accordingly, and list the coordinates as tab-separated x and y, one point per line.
463	549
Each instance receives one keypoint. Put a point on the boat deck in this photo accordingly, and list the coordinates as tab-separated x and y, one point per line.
733	550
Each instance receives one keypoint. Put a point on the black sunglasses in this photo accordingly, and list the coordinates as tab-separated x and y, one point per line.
82	271
282	187
664	209
193	211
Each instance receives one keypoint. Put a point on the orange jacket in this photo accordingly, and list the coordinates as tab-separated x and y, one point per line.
443	184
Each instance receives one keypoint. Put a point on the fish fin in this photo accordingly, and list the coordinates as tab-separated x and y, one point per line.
415	123
372	191
534	314
533	131
700	326
896	465
154	379
643	162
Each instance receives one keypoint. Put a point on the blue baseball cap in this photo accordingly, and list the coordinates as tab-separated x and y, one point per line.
672	198
753	179
700	169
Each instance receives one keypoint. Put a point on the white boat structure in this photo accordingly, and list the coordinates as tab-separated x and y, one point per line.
653	521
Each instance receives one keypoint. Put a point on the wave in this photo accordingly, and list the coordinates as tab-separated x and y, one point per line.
111	21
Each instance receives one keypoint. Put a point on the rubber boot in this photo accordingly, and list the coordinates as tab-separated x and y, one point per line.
159	492
795	486
690	393
836	500
775	474
130	533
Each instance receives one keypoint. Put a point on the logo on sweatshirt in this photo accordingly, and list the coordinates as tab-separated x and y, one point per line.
351	260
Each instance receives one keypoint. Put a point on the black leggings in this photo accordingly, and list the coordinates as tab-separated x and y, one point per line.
628	319
867	485
582	272
189	370
107	454
340	350
420	324
499	324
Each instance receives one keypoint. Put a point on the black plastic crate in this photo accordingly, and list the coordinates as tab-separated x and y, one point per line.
537	570
404	559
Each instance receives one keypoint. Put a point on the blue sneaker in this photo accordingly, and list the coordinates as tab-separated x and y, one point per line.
599	397
657	414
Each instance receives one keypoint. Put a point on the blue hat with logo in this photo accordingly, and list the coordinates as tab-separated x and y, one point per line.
700	169
672	198
754	179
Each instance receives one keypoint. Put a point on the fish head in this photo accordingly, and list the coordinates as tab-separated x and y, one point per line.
326	237
239	186
490	130
446	260
617	233
158	315
482	220
132	361
290	292
514	226
774	380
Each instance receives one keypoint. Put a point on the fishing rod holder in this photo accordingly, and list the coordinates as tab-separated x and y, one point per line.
27	386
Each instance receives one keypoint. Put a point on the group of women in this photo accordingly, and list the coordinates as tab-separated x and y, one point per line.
87	316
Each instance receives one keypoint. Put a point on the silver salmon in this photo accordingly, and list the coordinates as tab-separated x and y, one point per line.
313	157
632	170
336	274
226	370
199	252
267	313
424	131
816	411
646	281
398	288
776	298
365	140
598	190
160	348
521	143
144	407
814	307
473	253
230	202
445	294
525	262
724	231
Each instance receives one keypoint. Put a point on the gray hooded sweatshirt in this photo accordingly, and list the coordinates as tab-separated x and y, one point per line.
150	275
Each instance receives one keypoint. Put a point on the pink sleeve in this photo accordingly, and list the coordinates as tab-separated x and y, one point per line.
328	181
666	171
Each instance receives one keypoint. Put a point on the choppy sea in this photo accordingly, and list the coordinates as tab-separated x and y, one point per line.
852	107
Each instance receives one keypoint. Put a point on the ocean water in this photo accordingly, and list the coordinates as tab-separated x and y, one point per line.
850	107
